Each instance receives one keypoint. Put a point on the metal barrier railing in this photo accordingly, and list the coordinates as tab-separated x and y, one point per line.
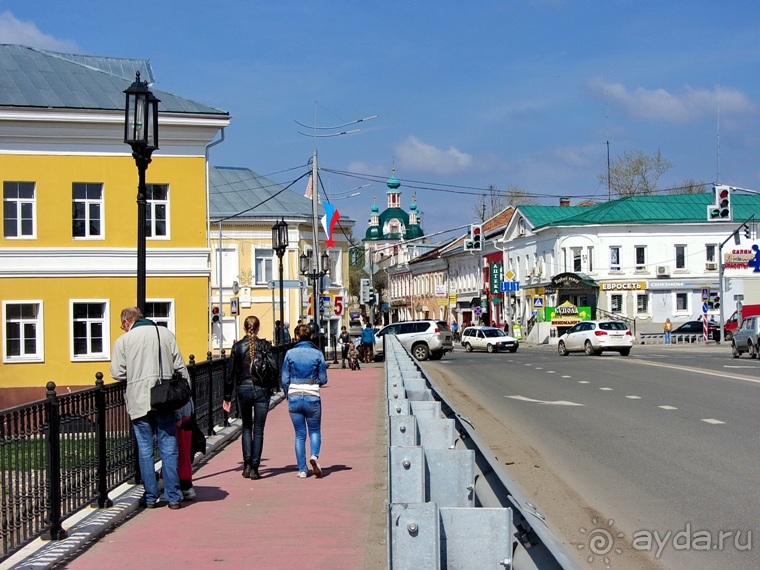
451	504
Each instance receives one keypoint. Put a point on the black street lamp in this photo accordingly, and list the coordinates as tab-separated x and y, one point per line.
315	275
141	133
280	244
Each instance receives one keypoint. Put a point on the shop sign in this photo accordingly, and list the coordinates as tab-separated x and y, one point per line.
623	286
566	314
738	258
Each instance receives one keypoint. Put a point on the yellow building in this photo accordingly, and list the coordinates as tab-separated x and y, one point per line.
244	206
68	254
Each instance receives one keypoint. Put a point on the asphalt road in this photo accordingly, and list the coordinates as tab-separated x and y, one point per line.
664	442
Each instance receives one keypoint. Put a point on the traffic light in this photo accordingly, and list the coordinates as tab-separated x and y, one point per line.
214	315
720	210
716	302
477	237
364	291
747	231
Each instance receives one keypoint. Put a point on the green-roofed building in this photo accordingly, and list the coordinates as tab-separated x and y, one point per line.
641	259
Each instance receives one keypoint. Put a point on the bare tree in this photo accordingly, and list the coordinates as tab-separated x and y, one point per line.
492	202
635	173
689	186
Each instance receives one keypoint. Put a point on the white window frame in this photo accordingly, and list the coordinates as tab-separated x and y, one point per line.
267	260
577	259
590	259
19	202
642	266
39	355
676	249
687	297
613	296
711	252
105	354
150	213
647	302
87	202
618	265
167	321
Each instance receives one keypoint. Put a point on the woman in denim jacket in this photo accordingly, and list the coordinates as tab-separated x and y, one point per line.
303	372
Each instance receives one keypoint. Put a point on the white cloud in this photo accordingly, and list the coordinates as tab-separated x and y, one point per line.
413	154
662	105
14	31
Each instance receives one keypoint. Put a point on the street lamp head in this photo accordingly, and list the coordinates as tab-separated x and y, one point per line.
304	262
325	258
141	117
280	237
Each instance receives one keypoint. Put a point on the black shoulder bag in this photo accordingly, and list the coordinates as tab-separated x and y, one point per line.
169	394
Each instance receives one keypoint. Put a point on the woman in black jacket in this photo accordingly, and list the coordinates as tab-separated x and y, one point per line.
252	369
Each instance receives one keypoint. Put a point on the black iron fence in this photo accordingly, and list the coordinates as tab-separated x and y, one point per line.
69	451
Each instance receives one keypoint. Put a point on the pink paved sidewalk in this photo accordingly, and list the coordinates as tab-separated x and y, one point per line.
279	521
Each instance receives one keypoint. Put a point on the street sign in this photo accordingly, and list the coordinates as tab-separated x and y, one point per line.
338	310
234	307
705	294
704	307
538	303
286	284
510	286
478	311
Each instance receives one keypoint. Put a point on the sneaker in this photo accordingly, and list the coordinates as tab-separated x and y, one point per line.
175	506
302	474
153	505
315	466
188	494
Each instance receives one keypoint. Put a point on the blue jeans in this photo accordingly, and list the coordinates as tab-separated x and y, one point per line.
161	426
667	337
306	412
253	407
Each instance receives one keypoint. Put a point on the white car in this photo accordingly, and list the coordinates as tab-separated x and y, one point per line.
595	337
489	339
424	339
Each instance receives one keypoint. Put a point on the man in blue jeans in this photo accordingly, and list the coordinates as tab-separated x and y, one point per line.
303	373
135	360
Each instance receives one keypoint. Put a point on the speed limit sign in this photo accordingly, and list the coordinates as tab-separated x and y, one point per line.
338	305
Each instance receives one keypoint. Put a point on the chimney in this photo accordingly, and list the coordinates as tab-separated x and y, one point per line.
564	201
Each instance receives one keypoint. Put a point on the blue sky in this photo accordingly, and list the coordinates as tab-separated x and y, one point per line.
468	94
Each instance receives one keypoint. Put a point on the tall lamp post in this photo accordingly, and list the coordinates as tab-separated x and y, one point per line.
141	133
280	244
315	274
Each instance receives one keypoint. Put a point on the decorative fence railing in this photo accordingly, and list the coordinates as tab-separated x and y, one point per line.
69	451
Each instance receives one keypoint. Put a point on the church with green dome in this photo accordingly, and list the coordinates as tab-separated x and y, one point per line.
393	224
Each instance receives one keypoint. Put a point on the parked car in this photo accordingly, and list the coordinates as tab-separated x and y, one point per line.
747	338
423	339
595	337
489	339
732	323
694	328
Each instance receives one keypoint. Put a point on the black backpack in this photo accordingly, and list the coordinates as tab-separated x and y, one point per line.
264	370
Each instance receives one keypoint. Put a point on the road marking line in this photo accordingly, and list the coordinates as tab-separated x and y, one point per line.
667	407
550	371
697	370
566	376
712	421
634	397
583	382
539	368
550	403
606	389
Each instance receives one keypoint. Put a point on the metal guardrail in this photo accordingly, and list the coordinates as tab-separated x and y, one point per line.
659	338
451	504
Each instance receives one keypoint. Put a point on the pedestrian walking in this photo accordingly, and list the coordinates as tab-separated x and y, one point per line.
253	371
667	328
135	360
368	343
345	340
303	373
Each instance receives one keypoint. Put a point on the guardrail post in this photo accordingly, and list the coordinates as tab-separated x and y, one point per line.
100	435
53	452
210	420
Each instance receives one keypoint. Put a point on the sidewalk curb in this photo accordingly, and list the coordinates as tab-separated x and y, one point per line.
91	523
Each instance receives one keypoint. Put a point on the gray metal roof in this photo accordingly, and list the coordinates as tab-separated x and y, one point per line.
31	77
236	190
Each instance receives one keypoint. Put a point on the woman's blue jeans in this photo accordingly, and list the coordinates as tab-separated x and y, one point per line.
161	426
306	415
253	407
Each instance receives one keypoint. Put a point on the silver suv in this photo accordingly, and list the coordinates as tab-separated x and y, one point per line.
747	338
424	339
